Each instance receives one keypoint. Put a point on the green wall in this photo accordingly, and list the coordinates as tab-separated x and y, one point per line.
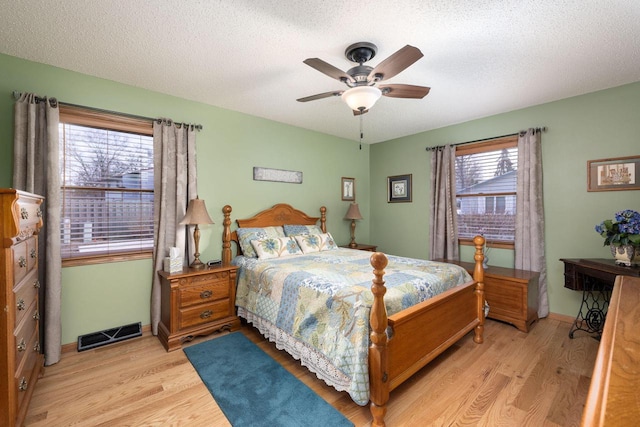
230	145
593	126
598	125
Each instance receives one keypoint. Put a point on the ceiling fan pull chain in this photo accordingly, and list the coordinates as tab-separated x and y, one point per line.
361	133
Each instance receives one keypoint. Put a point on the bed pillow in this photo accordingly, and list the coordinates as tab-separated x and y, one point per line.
246	235
276	247
296	230
316	242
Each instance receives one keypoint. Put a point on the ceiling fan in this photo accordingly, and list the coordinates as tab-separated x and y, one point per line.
363	80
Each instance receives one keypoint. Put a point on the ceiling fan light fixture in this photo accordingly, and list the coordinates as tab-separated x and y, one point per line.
361	97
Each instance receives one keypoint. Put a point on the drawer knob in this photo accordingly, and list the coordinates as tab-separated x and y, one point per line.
36	347
36	284
206	314
39	213
36	315
24	213
33	253
205	294
23	384
20	304
22	261
22	346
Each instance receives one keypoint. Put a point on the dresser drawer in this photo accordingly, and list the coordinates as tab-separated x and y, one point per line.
24	378
26	342
204	313
25	293
29	213
19	261
205	292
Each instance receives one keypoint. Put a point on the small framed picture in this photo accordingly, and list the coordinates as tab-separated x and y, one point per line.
622	173
348	189
399	188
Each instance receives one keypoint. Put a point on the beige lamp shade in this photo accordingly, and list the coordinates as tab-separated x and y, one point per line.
353	212
196	213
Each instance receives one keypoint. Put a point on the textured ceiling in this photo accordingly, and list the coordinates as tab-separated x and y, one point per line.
480	57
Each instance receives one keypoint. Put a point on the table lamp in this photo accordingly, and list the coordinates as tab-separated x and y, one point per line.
353	213
196	215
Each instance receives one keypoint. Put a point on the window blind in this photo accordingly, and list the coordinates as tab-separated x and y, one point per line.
107	188
486	176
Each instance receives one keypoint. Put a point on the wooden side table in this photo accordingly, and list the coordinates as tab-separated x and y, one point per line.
512	294
197	302
362	247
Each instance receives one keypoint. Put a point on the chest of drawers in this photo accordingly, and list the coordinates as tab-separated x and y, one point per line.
196	302
21	360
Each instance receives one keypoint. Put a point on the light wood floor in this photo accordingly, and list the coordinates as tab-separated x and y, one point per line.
512	379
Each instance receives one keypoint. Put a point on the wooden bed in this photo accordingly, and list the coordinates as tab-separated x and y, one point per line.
392	360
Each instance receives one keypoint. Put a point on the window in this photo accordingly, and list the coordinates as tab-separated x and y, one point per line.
106	167
486	190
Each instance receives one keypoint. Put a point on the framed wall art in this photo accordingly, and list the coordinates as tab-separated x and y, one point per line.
348	189
621	173
399	188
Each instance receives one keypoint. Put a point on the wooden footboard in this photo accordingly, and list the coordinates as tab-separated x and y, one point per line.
419	333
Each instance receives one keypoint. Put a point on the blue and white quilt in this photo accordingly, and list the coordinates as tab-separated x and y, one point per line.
316	306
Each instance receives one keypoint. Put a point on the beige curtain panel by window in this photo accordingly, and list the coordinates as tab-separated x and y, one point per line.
529	239
174	152
36	170
444	224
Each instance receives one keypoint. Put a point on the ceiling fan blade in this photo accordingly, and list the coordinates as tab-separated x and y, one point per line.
396	63
404	91
329	70
320	96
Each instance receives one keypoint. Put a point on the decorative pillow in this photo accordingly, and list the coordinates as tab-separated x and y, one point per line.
246	235
296	230
316	242
276	247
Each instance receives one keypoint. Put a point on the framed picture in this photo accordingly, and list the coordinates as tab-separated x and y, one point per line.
348	189
399	188
622	173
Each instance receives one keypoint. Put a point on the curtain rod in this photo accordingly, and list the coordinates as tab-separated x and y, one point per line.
521	133
17	95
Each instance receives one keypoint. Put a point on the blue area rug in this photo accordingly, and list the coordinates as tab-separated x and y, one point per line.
252	389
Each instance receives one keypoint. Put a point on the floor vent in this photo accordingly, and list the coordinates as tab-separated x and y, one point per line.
109	336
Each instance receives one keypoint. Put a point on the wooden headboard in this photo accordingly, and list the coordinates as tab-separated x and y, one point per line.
277	215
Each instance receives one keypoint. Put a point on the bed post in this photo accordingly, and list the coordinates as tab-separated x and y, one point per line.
323	219
378	368
226	235
478	276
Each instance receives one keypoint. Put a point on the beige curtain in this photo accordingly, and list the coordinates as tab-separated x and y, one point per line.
529	239
36	170
174	152
443	241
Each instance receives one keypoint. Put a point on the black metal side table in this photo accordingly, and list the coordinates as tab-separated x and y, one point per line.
595	278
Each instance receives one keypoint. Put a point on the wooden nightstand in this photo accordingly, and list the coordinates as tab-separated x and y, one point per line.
512	294
362	247
197	302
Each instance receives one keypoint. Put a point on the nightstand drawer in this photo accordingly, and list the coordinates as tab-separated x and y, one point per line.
219	276
204	313
205	292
